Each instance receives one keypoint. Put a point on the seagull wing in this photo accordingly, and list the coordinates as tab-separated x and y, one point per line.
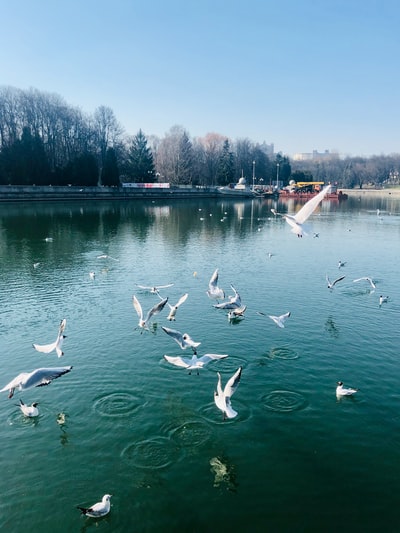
138	307
206	358
16	382
43	376
156	308
337	280
45	348
232	383
164	286
176	335
181	300
177	361
214	279
310	206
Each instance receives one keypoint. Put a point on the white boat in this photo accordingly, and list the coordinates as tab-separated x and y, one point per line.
239	189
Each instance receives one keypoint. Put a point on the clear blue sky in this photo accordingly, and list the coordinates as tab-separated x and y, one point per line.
302	74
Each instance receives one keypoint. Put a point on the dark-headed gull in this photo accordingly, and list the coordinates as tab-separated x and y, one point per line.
222	398
383	299
279	320
174	308
330	283
297	221
36	378
155	288
342	391
233	302
144	320
194	362
29	410
99	509
214	291
366	278
237	313
183	339
57	345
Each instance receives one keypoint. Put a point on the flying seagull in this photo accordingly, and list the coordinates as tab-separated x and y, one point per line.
222	398
194	362
183	339
383	299
279	320
57	344
99	509
342	391
233	302
297	221
144	320
36	378
214	291
174	308
331	284
105	256
29	410
366	278
237	313
155	288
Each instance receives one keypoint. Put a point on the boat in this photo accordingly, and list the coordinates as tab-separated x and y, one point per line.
308	189
238	190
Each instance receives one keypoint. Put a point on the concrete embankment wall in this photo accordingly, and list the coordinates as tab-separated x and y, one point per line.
37	193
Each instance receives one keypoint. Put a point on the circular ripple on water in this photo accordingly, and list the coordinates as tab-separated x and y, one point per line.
282	352
211	413
156	453
118	404
191	434
284	401
229	364
21	422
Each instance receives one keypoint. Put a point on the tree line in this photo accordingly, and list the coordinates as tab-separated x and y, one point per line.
45	141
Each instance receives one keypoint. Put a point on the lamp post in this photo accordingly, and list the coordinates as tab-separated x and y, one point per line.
254	173
277	175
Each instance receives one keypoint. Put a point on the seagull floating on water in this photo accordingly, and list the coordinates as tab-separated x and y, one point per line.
92	275
383	299
183	339
222	398
341	264
233	302
297	221
215	292
57	345
194	362
331	284
280	320
373	286
154	289
342	391
36	378
99	509
174	308
237	313
29	410
144	320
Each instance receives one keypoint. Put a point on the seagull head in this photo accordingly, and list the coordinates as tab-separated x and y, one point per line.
340	383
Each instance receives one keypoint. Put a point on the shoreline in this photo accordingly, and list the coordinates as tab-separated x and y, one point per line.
395	191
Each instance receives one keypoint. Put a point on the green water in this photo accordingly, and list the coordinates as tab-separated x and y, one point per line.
295	459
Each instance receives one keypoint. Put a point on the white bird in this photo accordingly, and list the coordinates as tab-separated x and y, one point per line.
36	378
105	256
233	302
279	320
154	289
92	275
331	284
237	313
183	339
373	286
341	264
57	344
214	291
35	265
99	509
383	299
144	320
29	410
222	398
174	308
297	221
342	391
194	362
49	239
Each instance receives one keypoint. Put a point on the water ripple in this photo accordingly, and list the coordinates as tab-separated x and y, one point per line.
155	453
284	401
282	352
118	404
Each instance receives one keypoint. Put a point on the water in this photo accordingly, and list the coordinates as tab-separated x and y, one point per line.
295	458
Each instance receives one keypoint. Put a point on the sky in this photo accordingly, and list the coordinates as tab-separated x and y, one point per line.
302	74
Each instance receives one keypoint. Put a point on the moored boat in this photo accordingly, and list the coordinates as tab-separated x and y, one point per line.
239	189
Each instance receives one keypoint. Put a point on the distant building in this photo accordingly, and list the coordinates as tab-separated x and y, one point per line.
268	149
315	156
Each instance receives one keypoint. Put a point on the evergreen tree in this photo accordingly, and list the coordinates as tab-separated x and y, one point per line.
140	165
185	161
226	165
110	173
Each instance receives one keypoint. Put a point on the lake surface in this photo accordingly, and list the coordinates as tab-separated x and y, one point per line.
295	459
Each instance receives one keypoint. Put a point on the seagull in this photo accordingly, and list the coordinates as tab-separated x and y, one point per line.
214	291
35	265
105	256
99	509
183	339
144	321
49	239
341	264
237	313
373	286
174	308
331	284
383	299
57	345
342	391
29	410
36	378
279	320
233	302
222	398
297	220
194	362
92	275
154	289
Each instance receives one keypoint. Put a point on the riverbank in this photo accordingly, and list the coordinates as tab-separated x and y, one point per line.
395	191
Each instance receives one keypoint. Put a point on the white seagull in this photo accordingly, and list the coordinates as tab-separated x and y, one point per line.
194	362
341	264
36	378
57	344
297	221
99	509
183	339
383	299
233	302
237	313
29	410
92	275
330	283
342	391
222	398
279	320
154	289
214	291
174	308
105	256
366	278
144	320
